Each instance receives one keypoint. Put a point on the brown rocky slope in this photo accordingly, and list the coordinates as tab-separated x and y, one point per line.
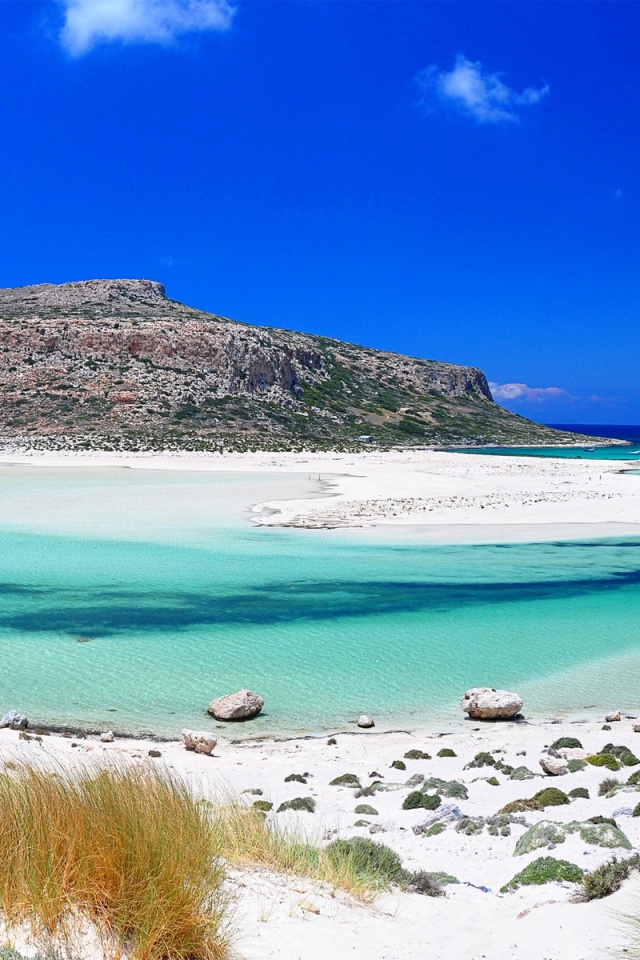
117	363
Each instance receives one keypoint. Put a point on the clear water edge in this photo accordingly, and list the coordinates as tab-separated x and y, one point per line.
599	450
182	600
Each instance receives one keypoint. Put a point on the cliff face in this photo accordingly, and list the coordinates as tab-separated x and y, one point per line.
113	357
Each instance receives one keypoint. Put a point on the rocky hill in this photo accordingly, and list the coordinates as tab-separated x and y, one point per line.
117	363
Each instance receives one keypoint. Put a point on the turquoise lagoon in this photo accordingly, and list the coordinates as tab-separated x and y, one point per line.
181	599
631	452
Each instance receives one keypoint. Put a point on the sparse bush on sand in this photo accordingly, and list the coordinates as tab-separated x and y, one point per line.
551	797
370	859
579	793
359	866
566	743
608	878
416	755
606	785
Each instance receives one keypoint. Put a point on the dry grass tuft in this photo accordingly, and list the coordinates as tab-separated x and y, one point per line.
125	848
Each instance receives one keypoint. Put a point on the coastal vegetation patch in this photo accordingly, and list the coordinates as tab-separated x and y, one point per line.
606	879
376	859
566	743
131	851
417	799
545	870
551	797
604	760
603	834
609	783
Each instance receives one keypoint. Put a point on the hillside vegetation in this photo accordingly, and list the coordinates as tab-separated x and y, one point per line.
115	363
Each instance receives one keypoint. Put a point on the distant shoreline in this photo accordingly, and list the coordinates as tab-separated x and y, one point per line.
427	494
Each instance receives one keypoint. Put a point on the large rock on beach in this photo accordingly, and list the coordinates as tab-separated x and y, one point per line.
365	721
200	742
486	703
447	813
574	753
14	720
553	764
236	706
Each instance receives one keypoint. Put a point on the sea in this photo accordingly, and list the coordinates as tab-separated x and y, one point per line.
590	451
129	598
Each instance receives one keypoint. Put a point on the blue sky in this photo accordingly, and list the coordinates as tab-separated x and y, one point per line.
457	181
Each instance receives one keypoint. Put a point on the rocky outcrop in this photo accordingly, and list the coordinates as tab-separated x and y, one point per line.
114	357
41	297
236	706
486	703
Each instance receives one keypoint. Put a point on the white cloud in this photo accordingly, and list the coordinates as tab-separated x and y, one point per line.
89	22
520	391
474	92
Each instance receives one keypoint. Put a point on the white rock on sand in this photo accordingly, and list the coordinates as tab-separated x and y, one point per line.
486	703
365	721
553	764
200	742
15	720
236	706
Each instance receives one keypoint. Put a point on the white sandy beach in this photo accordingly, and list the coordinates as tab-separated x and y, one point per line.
437	496
448	496
280	917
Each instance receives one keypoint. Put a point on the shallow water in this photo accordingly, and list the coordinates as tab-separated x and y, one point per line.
179	600
628	432
631	452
